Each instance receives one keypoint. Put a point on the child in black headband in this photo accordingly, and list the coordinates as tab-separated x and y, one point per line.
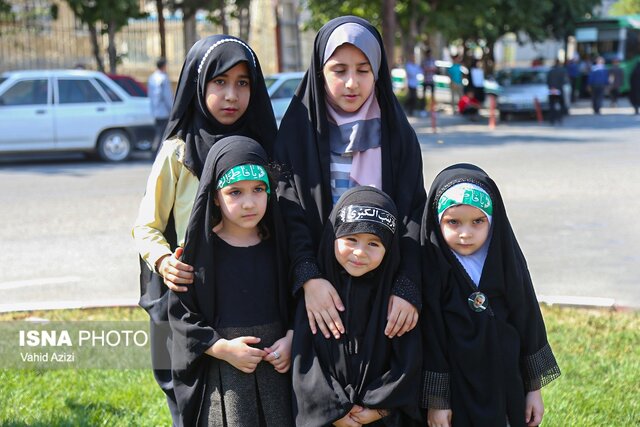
363	376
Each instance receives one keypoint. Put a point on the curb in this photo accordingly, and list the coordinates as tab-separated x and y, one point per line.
550	300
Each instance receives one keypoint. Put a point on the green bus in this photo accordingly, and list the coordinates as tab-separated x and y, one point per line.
612	37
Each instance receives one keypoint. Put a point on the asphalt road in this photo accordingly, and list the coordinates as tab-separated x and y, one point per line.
570	190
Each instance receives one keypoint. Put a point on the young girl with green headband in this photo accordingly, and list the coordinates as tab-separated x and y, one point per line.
486	354
231	329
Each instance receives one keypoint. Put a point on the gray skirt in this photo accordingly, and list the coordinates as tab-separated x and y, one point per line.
236	399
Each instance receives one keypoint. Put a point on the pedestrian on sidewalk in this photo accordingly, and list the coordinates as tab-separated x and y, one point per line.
161	100
428	71
412	70
634	88
556	79
485	349
455	85
598	80
616	77
476	80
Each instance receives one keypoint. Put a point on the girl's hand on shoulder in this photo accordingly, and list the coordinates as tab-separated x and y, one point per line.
323	302
534	408
439	417
279	353
175	272
238	353
367	416
347	420
402	317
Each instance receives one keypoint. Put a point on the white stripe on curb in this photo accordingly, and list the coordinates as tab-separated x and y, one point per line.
40	282
61	305
576	301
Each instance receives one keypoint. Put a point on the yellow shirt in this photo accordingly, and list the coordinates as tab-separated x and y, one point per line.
171	186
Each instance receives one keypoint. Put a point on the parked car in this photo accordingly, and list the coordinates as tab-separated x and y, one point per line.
518	88
129	84
441	79
281	88
71	110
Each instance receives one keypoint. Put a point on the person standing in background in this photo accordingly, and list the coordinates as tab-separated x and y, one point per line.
476	80
412	69
455	74
634	88
556	78
573	70
598	80
161	99
428	71
616	77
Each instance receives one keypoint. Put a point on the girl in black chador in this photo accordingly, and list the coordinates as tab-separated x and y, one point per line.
221	92
345	128
486	354
231	330
364	377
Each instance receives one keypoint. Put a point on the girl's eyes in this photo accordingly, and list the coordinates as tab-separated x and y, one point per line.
219	82
478	221
374	244
452	222
243	83
259	189
234	193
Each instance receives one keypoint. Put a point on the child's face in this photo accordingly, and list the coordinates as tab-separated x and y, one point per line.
227	95
348	78
465	228
359	253
242	204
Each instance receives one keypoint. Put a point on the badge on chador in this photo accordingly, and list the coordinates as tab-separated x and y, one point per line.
478	301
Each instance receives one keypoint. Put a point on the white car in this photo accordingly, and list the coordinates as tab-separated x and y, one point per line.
71	110
281	88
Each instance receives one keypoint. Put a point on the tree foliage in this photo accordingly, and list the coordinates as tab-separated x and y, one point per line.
626	7
112	16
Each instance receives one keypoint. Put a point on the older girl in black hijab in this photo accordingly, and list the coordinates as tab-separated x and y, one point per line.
231	329
221	92
363	377
345	128
486	354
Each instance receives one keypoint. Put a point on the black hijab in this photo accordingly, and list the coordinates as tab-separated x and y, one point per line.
480	364
190	119
192	313
363	367
302	148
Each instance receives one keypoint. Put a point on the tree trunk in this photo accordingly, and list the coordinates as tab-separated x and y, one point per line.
189	28
389	29
93	32
161	28
245	23
113	57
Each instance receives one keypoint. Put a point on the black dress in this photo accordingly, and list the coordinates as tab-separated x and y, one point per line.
480	364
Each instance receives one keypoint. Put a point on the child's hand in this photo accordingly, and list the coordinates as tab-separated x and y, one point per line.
401	317
534	408
439	417
347	420
279	353
238	353
323	302
365	416
175	272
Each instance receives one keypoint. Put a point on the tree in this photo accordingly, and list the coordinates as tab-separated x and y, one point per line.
625	7
112	16
560	21
161	28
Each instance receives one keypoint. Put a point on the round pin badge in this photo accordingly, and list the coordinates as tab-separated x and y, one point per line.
478	301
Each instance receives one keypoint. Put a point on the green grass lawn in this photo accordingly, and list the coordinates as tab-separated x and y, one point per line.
598	353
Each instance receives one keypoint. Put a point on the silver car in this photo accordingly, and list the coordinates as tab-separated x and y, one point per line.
71	110
281	88
519	88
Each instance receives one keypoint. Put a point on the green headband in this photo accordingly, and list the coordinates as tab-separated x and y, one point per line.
466	194
244	173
